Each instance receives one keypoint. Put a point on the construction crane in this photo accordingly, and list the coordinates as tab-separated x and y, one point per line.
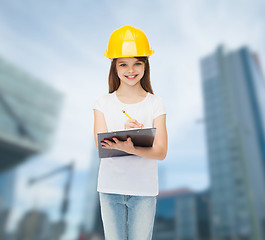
60	225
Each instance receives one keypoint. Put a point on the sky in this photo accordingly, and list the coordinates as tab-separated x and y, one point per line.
63	42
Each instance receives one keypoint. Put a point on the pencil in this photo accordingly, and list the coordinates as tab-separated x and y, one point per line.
126	114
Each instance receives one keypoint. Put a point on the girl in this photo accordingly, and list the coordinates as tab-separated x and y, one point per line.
128	185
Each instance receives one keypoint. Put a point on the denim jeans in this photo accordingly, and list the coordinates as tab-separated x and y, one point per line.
127	217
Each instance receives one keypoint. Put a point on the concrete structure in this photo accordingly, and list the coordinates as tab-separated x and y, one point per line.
234	100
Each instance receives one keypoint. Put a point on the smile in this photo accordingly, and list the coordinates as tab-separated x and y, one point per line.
131	76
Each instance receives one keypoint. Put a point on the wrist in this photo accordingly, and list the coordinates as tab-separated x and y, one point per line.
132	150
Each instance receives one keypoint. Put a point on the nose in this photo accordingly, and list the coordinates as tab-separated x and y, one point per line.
130	69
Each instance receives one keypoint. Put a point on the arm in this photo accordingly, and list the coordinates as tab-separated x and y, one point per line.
99	124
159	149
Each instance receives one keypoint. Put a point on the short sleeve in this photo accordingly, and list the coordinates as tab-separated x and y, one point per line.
159	107
99	103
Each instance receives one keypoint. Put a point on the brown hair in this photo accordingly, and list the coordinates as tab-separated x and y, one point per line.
114	80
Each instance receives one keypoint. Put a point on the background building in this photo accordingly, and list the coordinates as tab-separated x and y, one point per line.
234	91
34	225
92	226
7	183
183	215
29	111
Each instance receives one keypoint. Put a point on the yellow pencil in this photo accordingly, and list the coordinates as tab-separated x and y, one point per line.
128	115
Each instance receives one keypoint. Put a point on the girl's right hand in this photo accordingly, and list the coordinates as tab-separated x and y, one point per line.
132	123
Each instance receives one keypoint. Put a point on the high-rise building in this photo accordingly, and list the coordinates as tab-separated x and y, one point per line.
7	183
29	111
34	225
234	103
92	224
182	214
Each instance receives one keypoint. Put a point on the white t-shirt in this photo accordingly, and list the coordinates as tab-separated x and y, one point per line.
129	175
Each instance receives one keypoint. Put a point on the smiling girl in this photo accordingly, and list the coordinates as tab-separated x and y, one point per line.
128	185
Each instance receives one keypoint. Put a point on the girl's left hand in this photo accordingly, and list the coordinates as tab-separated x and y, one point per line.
126	146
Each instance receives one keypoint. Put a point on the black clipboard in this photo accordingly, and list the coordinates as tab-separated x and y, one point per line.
140	138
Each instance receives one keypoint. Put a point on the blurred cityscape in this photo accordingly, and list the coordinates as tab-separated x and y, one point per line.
233	208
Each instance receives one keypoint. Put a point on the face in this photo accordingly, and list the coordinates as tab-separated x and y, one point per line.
130	70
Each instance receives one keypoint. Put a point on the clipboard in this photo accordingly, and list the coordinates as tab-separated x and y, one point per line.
140	138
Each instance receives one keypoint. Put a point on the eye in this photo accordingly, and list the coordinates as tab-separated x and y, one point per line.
138	63
123	65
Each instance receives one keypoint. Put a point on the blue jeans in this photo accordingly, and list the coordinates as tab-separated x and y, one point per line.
127	217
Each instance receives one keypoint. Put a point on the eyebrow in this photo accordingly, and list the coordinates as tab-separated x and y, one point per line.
123	61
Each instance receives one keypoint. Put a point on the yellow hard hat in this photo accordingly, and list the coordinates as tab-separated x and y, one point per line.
128	41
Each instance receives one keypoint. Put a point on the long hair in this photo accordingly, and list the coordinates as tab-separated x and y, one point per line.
114	80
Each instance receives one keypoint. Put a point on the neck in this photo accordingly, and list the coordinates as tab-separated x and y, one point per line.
130	91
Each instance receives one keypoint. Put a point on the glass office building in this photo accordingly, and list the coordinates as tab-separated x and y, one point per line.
234	92
182	214
165	219
35	225
7	184
29	111
92	224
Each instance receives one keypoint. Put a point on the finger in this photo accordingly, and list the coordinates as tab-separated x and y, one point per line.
104	145
139	125
115	140
134	125
133	121
108	142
